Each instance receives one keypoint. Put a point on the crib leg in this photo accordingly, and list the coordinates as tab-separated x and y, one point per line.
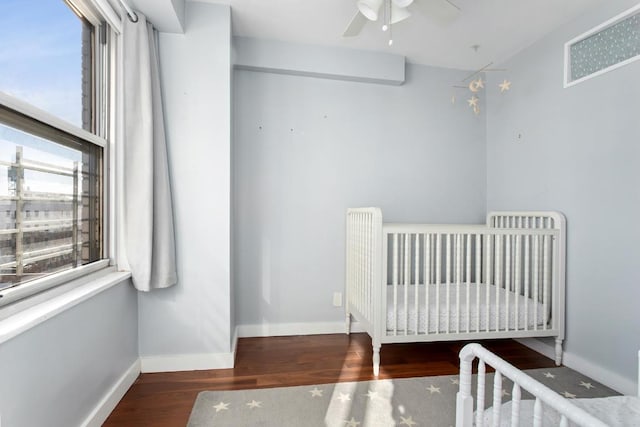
558	351
376	360
348	323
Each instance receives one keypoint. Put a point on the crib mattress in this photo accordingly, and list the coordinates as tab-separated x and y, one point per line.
613	411
438	319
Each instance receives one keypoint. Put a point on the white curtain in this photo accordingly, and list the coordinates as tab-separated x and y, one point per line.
146	213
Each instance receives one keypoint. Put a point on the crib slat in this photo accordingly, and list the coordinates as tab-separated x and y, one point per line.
497	398
427	279
438	279
416	282
498	284
515	405
518	279
563	421
468	282
448	278
536	278
527	283
458	278
395	284
482	369
489	280
407	280
507	280
545	284
537	413
478	278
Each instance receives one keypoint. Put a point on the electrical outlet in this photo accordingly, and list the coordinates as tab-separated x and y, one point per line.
337	299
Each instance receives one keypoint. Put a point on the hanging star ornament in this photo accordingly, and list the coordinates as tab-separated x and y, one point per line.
505	85
473	101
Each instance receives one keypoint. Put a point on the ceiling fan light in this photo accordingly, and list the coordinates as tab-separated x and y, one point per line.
370	8
402	3
398	14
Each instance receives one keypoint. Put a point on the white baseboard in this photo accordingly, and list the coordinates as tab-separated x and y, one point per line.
191	362
108	403
610	379
287	329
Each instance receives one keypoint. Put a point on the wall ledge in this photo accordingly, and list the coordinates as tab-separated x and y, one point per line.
82	289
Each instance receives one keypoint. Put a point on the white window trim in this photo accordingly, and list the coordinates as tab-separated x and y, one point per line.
33	295
567	47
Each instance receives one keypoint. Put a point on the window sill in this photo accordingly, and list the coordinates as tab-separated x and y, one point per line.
18	319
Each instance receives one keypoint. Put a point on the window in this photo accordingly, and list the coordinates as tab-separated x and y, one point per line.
608	46
55	58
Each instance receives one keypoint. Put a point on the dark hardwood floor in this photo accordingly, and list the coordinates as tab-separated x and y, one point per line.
165	399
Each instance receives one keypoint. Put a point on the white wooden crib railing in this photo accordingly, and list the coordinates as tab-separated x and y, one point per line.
432	282
545	398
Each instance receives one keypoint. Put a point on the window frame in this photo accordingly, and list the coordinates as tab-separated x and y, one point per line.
567	48
104	71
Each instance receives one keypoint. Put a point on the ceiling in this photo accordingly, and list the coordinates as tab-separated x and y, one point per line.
500	27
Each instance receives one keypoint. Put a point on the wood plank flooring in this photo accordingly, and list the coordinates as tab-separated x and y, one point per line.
166	399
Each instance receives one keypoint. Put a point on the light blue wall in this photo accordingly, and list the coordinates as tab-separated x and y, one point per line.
194	317
308	148
579	154
56	373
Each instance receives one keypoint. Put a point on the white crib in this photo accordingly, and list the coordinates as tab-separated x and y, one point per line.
547	408
426	282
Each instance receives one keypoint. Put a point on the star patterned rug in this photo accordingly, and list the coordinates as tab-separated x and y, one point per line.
411	402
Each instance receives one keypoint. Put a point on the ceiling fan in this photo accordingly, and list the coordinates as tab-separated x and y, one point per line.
394	11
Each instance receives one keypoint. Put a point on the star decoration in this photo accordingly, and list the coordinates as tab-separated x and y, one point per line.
372	394
455	381
254	404
433	389
588	386
568	395
505	85
221	406
352	423
316	392
549	375
344	397
407	421
476	85
476	110
473	101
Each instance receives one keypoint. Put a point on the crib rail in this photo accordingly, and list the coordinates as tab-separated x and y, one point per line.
457	279
545	398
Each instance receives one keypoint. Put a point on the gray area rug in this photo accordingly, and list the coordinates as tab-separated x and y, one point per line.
424	401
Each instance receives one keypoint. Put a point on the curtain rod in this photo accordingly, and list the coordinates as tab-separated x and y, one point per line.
133	17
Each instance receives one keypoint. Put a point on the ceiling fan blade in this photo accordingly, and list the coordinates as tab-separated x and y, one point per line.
442	11
355	26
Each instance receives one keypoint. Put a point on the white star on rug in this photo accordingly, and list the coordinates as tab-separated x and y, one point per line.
407	421
316	392
433	389
254	404
455	381
588	386
351	423
568	395
344	397
372	394
549	375
221	406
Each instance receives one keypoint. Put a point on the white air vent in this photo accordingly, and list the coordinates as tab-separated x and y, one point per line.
604	48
